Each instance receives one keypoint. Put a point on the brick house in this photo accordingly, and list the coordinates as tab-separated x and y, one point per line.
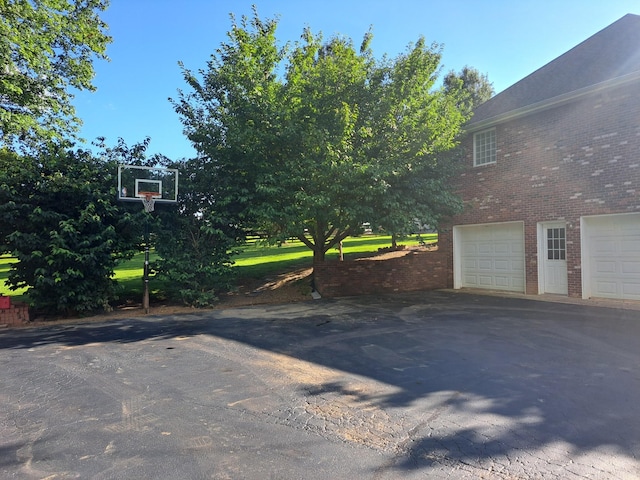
551	181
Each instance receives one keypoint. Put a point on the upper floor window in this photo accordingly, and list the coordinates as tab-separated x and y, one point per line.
484	147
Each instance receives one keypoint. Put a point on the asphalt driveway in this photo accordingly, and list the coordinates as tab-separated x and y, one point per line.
431	385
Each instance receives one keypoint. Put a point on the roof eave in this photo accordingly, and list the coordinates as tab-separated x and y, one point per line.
551	102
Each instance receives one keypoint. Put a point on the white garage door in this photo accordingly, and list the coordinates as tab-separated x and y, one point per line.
490	256
611	256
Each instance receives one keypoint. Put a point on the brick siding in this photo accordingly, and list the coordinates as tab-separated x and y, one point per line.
577	159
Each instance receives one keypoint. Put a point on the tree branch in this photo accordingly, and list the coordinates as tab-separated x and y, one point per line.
303	238
337	239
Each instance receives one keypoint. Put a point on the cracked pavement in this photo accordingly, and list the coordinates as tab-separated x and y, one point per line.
423	385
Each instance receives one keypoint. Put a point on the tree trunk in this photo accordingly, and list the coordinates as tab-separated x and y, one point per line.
394	241
323	241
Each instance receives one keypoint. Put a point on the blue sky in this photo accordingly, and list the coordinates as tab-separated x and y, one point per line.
505	39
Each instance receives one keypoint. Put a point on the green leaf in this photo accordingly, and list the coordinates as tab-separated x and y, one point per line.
46	47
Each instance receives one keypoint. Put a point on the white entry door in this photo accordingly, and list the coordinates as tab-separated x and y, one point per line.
554	261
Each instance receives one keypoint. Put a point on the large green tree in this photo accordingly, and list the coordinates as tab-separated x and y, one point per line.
323	180
475	87
311	140
46	50
416	126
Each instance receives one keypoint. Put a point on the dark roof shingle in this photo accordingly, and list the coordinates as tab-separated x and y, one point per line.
611	53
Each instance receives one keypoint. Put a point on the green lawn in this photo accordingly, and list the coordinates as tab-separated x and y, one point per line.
256	261
129	276
5	263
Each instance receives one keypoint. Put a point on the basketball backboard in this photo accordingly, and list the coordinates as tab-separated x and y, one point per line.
135	183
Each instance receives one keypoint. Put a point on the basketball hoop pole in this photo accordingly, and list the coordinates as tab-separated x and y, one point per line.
147	201
145	275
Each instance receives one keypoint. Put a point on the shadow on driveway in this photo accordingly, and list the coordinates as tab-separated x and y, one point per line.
510	386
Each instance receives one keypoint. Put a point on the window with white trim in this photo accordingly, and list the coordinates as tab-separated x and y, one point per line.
556	244
484	147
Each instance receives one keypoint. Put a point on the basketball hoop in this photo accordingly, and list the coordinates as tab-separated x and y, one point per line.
148	200
149	185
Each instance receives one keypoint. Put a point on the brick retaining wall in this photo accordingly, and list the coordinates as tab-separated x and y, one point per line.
414	271
16	314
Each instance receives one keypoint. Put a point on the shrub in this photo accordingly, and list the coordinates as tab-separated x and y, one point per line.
59	217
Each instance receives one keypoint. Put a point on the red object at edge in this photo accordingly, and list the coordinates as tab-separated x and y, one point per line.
5	302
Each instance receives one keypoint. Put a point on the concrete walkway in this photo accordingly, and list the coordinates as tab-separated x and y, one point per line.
548	297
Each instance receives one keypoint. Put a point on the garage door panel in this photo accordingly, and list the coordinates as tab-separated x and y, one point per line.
491	256
469	249
604	267
630	245
484	249
631	289
503	248
502	265
470	265
631	268
486	265
612	256
603	247
630	228
485	281
607	288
